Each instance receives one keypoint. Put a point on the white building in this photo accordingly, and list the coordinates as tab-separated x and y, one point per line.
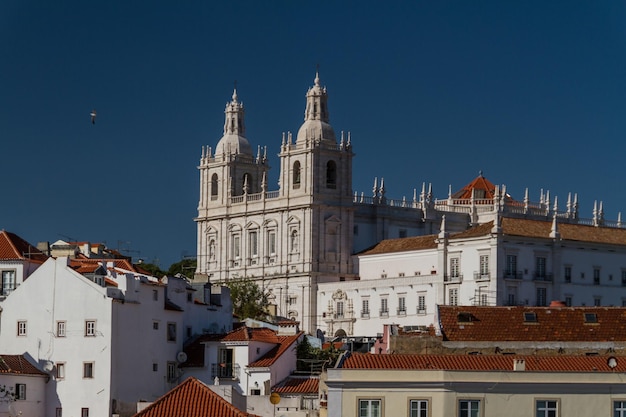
506	261
306	231
111	337
22	387
18	259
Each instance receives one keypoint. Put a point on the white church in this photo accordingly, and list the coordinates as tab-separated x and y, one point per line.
347	264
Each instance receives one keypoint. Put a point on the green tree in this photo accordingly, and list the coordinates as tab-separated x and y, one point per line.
248	299
153	269
186	267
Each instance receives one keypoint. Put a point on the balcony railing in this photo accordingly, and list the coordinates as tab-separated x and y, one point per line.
542	276
421	310
482	276
384	313
365	314
513	274
453	278
401	312
225	370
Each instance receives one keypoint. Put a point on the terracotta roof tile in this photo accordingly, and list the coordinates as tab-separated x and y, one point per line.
483	363
564	324
298	385
574	232
192	398
18	364
402	245
479	183
13	247
284	343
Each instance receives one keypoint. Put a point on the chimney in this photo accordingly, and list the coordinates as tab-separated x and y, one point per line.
519	365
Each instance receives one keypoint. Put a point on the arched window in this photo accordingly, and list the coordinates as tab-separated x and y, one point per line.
296	174
214	187
331	174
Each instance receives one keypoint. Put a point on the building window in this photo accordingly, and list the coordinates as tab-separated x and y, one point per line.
296	174
60	329
171	332
484	266
623	277
596	276
155	367
331	174
453	296
59	412
402	305
21	328
370	408
189	297
90	327
568	274
236	246
365	308
540	267
155	325
84	412
254	243
20	391
384	307
339	309
469	408
541	297
60	374
547	408
402	233
213	186
418	408
88	369
421	304
510	269
454	268
597	301
619	408
568	300
171	371
155	295
8	282
271	242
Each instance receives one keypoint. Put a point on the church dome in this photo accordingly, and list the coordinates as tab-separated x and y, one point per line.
316	129
234	140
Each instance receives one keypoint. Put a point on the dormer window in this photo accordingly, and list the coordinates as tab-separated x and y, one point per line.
464	317
530	317
591	318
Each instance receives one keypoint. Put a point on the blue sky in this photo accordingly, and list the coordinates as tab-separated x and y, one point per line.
531	93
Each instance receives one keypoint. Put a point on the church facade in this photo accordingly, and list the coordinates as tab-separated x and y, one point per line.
305	232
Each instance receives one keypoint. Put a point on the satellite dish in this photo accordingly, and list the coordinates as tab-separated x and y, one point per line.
48	366
181	357
612	362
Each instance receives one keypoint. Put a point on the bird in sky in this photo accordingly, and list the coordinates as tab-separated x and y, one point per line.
93	117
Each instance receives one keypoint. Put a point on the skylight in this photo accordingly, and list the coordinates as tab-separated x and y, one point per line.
591	318
530	317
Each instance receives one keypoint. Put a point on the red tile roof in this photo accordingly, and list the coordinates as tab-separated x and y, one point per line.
555	324
13	247
402	245
18	364
192	398
298	385
284	343
86	264
483	363
246	334
479	183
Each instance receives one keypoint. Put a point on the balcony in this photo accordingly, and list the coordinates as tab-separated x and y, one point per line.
482	276
225	370
384	313
542	276
401	312
513	274
457	278
365	314
421	311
